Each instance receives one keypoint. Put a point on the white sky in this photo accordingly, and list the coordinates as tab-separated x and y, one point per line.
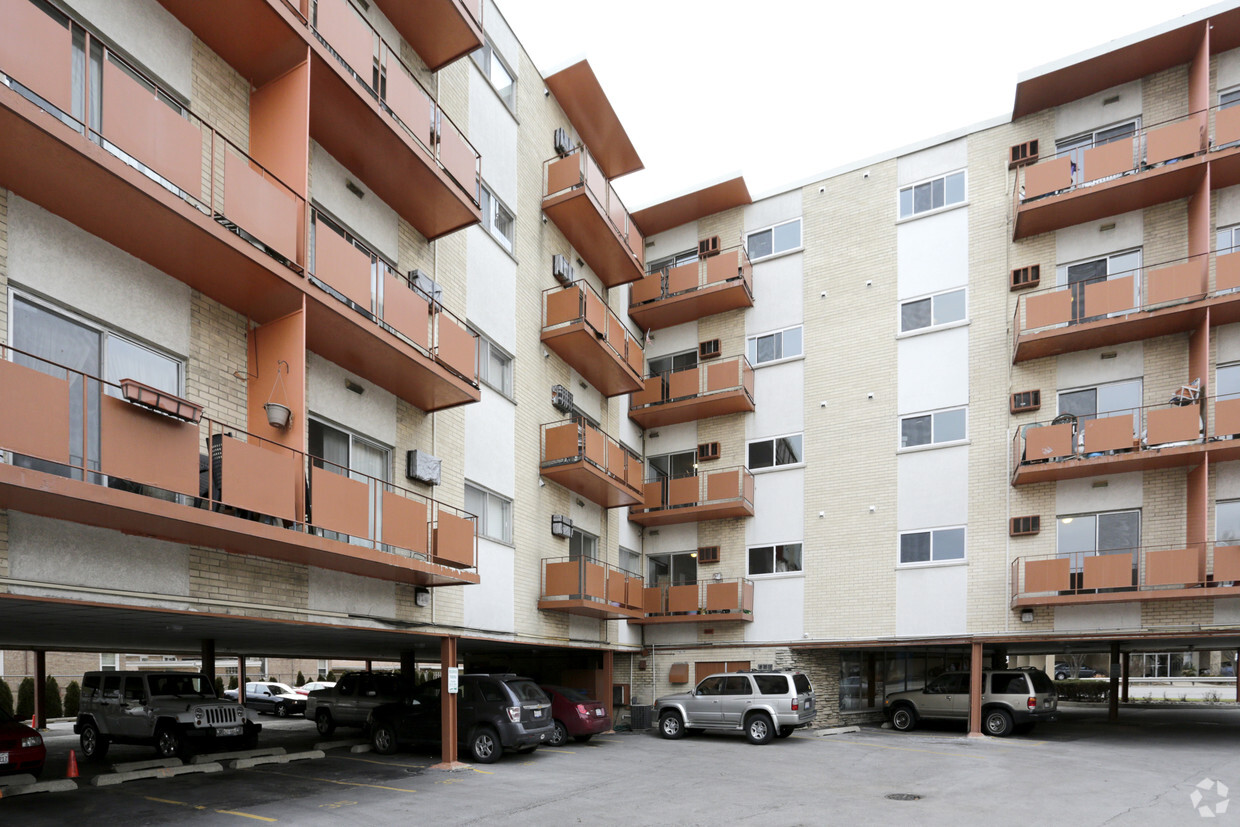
782	90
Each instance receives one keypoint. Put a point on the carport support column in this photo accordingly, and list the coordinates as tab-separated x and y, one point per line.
447	708
609	669
208	660
1113	695
1127	675
975	690
40	690
241	678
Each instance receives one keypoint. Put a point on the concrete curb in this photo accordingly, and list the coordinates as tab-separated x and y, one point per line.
207	758
246	763
161	772
17	780
153	764
837	730
326	745
59	786
358	748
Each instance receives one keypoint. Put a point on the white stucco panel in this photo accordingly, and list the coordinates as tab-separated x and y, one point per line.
501	36
1227	201
778	610
1084	497
148	32
1228	338
493	132
371	413
671	439
934	161
932	488
490	455
1087	367
1089	113
677	240
85	273
1088	241
932	253
1227	611
336	591
779	391
779	508
1099	617
932	601
778	295
668	340
369	217
933	370
1227	481
671	538
489	605
773	210
491	290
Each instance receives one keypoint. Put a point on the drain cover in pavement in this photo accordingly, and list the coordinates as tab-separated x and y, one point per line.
904	796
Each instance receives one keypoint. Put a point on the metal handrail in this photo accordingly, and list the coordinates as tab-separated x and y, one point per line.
604	199
745	276
1140	556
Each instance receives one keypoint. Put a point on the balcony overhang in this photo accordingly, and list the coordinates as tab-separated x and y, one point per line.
586	227
349	124
692	305
48	495
1118	463
734	616
653	517
440	31
589	608
735	400
1130	596
592	482
588	354
1133	191
1134	327
682	209
581	96
261	40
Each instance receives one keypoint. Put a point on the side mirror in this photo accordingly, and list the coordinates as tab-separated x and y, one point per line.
371	694
412	702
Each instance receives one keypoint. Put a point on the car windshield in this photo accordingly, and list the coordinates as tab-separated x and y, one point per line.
281	689
526	691
574	695
180	684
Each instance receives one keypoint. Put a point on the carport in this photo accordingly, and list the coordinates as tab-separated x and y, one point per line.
43	624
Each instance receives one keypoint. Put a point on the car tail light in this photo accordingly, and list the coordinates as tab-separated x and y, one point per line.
1032	703
514	714
796	704
582	711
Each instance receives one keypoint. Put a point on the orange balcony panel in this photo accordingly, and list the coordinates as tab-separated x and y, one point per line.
349	35
1048	575
34	50
1176	140
340	504
1160	574
693	291
1177	282
1226	564
709	390
1176	424
585	460
406	311
588	588
405	523
682	599
723	601
1117	463
1226	126
1227	268
1169	182
1112	433
1175	567
127	455
34	412
716	495
341	265
1106	160
440	31
147	128
266	209
580	328
1108	571
1227	417
454	541
1048	176
410	102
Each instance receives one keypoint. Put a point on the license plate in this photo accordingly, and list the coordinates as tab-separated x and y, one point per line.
537	713
4	758
224	732
598	713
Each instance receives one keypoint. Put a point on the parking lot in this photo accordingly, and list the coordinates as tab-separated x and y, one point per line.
1142	770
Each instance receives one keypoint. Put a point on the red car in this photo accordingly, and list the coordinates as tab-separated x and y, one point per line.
576	715
21	748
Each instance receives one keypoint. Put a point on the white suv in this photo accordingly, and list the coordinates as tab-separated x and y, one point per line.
763	705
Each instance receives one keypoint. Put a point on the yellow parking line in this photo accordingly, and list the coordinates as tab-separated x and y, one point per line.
373	761
484	772
201	807
341	783
166	801
244	815
558	750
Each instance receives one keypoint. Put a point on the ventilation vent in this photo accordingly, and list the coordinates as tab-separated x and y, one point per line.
1026	401
708	246
709	349
708	554
1024	526
1025	277
1022	154
708	450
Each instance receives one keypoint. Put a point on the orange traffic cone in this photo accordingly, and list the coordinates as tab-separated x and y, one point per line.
72	772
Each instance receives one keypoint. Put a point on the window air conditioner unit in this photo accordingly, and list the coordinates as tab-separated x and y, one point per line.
708	450
561	526
1025	277
426	286
561	269
708	554
561	399
1022	154
1026	401
708	349
423	467
563	143
708	246
1024	526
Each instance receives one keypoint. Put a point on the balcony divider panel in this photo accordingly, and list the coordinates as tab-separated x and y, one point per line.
145	127
338	503
127	436
258	478
1174	424
34	412
454	540
1106	160
1108	571
404	523
342	266
37	52
267	210
406	311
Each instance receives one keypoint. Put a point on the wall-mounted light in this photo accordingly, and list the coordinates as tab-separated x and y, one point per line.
350	385
354	188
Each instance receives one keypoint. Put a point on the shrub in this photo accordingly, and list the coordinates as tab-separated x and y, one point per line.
1083	691
52	707
6	697
301	679
232	682
73	699
219	687
25	699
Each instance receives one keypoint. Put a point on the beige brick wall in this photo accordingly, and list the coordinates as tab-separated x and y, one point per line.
221	575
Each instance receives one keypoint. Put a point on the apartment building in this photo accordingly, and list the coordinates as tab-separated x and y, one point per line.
326	335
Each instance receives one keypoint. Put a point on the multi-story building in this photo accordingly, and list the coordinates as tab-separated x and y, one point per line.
326	335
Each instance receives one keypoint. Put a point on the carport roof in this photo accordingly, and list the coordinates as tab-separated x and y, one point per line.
70	625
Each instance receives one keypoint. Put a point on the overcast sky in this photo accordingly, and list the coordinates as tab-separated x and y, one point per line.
782	90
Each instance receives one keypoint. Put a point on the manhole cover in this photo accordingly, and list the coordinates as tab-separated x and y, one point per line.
904	796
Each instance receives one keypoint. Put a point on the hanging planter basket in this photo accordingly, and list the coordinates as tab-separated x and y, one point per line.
278	416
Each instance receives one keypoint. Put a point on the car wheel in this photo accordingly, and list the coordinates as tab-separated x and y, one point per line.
94	745
383	739
671	726
904	718
169	742
759	729
785	731
581	739
324	723
559	735
484	746
998	722
1061	676
281	711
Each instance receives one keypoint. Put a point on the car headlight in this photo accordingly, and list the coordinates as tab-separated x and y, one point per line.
198	716
32	741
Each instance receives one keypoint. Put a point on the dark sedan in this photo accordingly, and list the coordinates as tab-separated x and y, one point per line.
1063	671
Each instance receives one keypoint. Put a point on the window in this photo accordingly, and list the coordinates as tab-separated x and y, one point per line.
939	545
775	559
678	569
109	662
1076	146
770	453
771	347
630	561
494	366
496	218
1228	240
932	311
687	257
1227	382
1228	99
341	452
774	240
494	70
1086	535
932	195
663	466
1112	399
493	511
1078	276
582	546
934	428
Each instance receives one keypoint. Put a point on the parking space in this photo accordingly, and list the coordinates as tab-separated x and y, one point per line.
1140	771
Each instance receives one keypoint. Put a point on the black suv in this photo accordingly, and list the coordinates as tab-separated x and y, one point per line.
494	713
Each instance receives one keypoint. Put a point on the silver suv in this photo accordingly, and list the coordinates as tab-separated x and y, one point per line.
763	705
1013	700
168	710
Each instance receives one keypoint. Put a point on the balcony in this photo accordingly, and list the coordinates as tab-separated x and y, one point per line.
583	459
581	202
706	601
580	327
1157	436
590	589
1192	571
717	495
1161	163
693	291
703	391
144	472
163	185
440	31
365	107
